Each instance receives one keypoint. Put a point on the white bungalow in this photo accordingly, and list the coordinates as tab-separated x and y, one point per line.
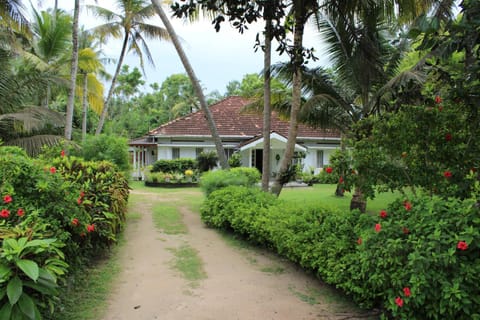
240	131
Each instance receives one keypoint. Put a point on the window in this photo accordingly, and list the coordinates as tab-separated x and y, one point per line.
198	151
319	158
229	152
175	153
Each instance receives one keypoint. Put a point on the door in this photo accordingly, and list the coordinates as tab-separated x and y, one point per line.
259	160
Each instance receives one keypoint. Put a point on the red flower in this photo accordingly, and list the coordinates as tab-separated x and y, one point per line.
447	174
7	199
90	227
462	245
399	301
75	222
4	213
438	99
383	214
329	170
378	227
359	241
448	137
405	230
407	205
340	180
20	212
407	292
53	170
82	194
79	200
62	153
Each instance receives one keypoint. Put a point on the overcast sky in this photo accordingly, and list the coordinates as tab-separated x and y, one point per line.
217	58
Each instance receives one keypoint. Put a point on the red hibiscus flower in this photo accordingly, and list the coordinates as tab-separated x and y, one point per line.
399	301
75	222
407	292
462	245
407	205
383	214
359	241
79	200
438	99
4	213
90	227
7	199
53	170
82	194
20	212
405	230
62	153
329	170
378	227
340	180
448	137
447	174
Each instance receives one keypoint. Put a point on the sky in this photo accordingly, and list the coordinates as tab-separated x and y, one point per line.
216	57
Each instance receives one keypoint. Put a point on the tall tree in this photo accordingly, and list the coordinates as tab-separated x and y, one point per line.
196	84
73	72
130	23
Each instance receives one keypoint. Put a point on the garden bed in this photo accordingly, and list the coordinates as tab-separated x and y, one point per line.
171	184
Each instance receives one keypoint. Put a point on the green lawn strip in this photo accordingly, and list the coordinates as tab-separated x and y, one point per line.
168	219
189	264
325	194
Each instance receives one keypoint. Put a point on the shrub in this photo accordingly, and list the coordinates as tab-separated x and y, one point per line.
430	246
106	147
235	160
207	161
213	180
173	166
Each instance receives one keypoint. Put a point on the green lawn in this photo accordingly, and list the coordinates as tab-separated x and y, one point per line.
325	194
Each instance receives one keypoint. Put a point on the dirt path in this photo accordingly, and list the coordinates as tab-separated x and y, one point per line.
241	283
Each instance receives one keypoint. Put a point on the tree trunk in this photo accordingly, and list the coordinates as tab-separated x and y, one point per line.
297	60
358	201
104	113
73	74
84	106
266	105
196	84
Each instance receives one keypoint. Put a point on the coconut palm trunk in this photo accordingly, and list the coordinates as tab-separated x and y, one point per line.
266	105
73	73
106	104
84	106
296	97
196	84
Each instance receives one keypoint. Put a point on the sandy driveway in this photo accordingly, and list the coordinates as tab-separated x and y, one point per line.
240	283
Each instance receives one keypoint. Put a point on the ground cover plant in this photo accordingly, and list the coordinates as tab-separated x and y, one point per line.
55	217
416	259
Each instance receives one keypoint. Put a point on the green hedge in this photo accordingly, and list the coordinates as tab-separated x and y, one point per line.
173	166
419	259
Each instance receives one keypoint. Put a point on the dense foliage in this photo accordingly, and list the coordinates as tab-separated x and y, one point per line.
55	216
173	166
417	260
241	176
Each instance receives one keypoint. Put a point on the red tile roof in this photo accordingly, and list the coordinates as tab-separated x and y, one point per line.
230	120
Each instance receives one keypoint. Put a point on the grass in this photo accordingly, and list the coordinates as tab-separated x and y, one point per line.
325	194
168	220
189	264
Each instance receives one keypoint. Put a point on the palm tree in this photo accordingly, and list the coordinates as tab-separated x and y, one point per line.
131	24
196	84
73	73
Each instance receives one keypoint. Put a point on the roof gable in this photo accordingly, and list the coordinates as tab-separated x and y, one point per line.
232	121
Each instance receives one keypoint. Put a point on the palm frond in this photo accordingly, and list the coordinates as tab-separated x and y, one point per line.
33	145
32	119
